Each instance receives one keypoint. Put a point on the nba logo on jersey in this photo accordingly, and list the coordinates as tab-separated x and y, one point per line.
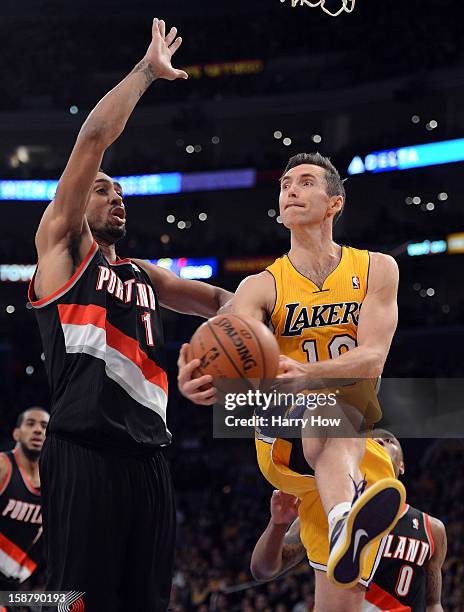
356	283
415	523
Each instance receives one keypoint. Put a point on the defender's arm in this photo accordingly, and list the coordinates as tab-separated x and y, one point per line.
279	547
434	566
186	296
63	220
4	469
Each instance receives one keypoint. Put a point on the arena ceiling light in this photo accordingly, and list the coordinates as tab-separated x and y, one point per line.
196	268
406	158
139	185
191	269
427	247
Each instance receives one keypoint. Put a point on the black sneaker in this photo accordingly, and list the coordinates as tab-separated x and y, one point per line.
372	515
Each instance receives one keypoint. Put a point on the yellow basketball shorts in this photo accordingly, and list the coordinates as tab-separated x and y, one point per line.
274	459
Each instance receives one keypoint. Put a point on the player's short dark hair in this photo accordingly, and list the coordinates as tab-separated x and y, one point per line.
384	433
334	182
22	416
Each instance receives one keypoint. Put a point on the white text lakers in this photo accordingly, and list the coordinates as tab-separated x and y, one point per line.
125	291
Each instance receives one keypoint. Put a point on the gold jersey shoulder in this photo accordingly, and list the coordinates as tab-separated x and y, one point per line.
312	323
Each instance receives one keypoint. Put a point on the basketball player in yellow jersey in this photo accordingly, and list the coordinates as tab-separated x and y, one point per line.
313	298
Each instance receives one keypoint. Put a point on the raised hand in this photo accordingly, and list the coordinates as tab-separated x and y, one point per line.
284	508
161	50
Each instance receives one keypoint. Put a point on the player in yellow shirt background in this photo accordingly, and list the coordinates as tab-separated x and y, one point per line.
333	310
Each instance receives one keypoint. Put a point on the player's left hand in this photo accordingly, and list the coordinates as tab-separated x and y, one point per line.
289	368
162	48
198	390
284	508
294	377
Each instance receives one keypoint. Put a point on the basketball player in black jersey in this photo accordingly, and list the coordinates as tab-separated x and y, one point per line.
408	577
107	498
20	508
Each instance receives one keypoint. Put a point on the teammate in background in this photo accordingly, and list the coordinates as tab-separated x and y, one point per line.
333	310
20	506
409	574
107	497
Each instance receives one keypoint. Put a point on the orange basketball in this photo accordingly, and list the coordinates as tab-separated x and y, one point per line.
235	347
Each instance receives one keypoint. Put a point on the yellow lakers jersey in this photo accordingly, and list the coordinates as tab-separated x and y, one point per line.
312	323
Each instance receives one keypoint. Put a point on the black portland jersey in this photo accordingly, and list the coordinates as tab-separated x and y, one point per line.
102	338
20	523
400	580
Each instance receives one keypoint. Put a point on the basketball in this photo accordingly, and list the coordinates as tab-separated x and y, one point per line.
236	347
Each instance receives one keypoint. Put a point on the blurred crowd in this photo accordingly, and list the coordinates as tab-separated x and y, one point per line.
223	507
223	514
57	70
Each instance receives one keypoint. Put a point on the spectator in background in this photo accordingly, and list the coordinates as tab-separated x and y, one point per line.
20	502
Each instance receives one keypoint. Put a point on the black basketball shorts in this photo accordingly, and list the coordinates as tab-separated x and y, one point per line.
109	527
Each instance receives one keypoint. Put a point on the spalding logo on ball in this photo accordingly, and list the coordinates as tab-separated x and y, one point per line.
235	347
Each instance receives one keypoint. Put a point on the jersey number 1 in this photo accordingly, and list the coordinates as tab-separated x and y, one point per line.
146	318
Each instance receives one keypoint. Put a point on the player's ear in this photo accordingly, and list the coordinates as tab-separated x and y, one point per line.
16	434
336	204
401	469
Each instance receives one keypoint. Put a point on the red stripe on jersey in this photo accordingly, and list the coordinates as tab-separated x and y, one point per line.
25	476
429	534
130	348
77	314
6	480
18	555
383	600
121	261
65	287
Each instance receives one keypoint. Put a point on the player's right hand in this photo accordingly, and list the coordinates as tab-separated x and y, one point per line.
191	387
160	52
284	508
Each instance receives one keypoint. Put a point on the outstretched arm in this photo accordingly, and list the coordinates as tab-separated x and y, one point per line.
4	469
186	296
279	548
63	227
255	296
434	565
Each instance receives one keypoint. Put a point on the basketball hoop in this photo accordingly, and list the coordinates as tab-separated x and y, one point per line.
347	6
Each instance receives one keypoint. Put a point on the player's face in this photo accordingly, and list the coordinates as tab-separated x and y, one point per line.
393	448
31	434
106	212
303	197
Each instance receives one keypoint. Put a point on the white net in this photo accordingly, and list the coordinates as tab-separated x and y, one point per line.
347	6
